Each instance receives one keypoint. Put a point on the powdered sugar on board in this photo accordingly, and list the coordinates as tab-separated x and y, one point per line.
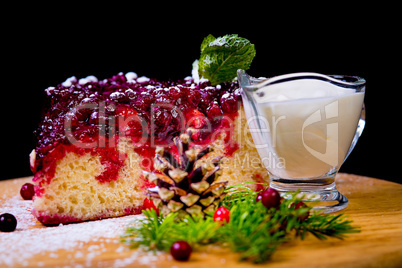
71	245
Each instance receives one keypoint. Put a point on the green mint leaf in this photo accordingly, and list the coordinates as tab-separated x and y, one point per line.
221	57
206	41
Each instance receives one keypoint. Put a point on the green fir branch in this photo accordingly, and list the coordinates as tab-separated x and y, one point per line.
323	226
253	231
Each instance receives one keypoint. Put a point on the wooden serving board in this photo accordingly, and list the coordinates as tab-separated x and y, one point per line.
374	205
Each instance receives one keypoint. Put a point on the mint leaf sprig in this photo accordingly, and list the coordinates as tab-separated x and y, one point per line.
253	231
221	57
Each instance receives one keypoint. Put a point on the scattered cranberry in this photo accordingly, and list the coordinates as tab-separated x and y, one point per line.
222	214
8	222
270	198
299	205
27	191
181	250
149	204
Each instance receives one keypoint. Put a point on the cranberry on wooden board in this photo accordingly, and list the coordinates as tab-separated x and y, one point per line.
27	191
181	250
8	222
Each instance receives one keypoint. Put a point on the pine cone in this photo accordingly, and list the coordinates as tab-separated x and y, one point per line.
180	186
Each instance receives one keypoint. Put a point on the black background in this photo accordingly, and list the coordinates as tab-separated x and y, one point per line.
44	46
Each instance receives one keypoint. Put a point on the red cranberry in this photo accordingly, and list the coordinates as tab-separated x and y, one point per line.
27	191
181	250
8	222
214	111
174	93
270	198
259	197
196	118
162	119
206	99
260	186
194	97
125	111
149	204
94	117
229	103
300	205
181	96
222	214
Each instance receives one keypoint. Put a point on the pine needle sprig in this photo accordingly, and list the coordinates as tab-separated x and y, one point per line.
153	233
159	233
324	226
238	193
253	231
198	230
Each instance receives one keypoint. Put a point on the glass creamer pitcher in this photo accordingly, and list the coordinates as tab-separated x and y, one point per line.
304	125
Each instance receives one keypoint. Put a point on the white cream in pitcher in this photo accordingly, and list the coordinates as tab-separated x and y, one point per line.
311	126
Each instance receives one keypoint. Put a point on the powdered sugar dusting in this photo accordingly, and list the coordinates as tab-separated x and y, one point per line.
71	245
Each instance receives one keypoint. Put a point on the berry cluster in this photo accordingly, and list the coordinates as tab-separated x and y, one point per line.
90	110
8	222
271	198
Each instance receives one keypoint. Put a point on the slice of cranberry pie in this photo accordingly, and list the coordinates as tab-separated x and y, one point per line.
97	137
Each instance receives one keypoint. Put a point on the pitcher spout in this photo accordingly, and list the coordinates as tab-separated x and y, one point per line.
246	81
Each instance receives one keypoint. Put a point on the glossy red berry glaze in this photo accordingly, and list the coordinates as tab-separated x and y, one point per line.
91	116
27	191
222	214
181	250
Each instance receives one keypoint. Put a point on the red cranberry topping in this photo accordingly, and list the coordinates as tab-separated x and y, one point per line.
214	111
27	191
181	250
229	103
8	222
92	115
